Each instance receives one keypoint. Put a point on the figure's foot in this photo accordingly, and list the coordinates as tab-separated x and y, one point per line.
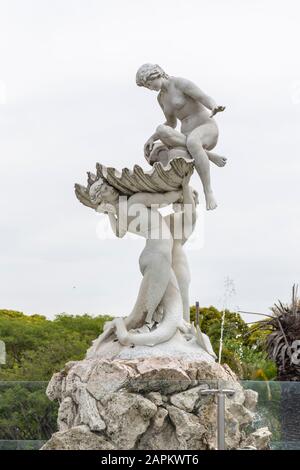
185	327
149	318
217	160
109	325
211	203
121	331
158	314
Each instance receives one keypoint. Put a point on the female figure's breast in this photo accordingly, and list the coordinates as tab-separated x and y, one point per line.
177	101
173	101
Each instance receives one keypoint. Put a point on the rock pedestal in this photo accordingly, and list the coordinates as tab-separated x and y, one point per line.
149	403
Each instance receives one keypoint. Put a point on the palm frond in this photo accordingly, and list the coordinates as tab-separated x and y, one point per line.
284	325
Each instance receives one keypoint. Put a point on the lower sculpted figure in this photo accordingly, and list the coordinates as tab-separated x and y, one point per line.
162	307
180	99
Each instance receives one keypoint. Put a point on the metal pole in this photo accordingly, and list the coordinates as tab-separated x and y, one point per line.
221	420
221	396
197	312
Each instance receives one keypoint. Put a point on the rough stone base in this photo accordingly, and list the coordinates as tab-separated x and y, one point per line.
149	403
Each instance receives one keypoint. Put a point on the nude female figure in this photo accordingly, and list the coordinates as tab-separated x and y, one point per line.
162	262
182	100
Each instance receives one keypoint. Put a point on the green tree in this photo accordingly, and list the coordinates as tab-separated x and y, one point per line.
36	348
25	412
243	346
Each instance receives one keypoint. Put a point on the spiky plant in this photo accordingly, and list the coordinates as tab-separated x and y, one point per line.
283	343
283	346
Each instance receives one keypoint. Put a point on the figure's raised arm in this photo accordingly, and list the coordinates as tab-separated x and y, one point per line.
171	121
186	217
189	202
120	232
193	91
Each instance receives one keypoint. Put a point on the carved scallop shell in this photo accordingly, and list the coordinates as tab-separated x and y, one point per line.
159	179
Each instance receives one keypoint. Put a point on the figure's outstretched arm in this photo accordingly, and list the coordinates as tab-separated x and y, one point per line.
149	199
193	91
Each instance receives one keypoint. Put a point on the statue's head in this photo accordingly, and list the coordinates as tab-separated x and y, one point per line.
102	192
151	76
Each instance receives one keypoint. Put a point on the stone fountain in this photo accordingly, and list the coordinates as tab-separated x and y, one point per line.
139	386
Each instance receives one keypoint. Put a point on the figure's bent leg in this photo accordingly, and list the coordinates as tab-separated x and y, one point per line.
156	283
168	326
216	159
171	137
155	265
182	273
195	147
174	141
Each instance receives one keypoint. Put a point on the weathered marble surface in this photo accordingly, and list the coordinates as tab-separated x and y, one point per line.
148	403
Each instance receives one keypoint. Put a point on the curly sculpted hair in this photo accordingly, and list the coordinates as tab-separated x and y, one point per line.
149	72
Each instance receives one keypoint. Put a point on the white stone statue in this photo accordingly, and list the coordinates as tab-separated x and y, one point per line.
140	385
132	201
180	99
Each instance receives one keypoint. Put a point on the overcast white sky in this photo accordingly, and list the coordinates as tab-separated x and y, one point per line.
68	99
